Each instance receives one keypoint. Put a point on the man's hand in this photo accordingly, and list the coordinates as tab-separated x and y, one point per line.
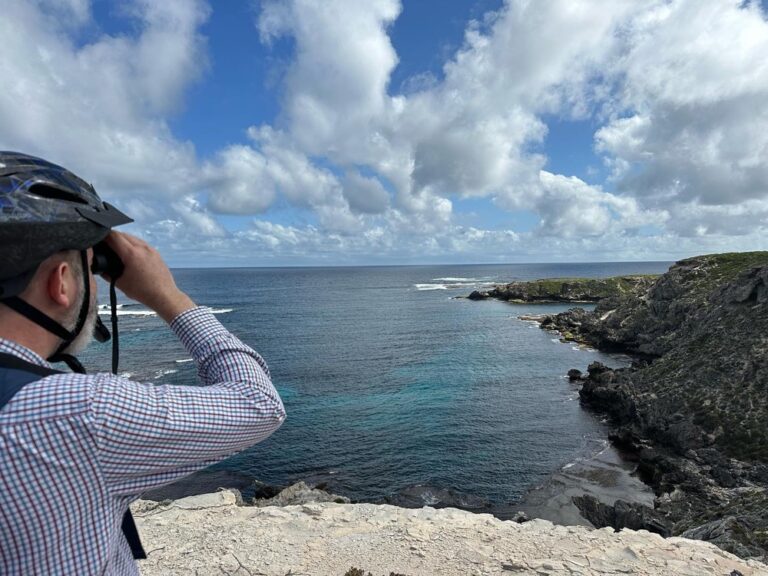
146	277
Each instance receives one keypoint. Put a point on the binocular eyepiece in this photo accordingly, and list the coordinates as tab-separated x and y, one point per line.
106	261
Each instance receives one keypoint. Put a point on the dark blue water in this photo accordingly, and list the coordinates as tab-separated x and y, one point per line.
388	380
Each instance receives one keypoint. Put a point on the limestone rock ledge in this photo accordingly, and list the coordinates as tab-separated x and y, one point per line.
211	534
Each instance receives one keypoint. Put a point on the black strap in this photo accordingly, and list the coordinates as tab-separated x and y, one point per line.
132	535
39	318
16	373
115	335
16	363
82	316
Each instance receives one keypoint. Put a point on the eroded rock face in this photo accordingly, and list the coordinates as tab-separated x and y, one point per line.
622	515
694	407
606	391
725	532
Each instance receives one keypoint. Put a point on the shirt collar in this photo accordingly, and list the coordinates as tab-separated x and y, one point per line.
11	347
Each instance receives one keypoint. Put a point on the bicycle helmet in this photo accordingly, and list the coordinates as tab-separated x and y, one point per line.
45	209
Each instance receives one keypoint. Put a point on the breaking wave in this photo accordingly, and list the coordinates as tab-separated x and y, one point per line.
450	285
104	310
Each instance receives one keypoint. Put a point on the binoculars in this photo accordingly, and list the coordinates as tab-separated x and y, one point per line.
106	262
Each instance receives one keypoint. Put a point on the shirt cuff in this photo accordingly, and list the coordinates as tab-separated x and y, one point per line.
196	328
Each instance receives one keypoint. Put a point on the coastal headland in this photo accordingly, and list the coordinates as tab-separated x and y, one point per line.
692	410
570	290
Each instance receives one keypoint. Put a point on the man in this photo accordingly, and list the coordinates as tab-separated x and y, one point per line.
76	449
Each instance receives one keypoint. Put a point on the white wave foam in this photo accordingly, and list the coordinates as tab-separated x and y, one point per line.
160	373
445	286
184	360
449	279
106	312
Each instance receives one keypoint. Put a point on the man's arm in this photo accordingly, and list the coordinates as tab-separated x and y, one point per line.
148	436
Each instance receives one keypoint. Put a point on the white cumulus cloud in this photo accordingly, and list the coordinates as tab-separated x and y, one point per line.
676	90
690	116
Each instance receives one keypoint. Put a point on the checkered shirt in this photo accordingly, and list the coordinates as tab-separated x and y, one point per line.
76	450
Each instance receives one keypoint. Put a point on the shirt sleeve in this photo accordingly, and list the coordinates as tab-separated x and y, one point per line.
147	436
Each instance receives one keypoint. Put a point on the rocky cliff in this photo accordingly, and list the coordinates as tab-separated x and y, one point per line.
566	289
693	408
210	534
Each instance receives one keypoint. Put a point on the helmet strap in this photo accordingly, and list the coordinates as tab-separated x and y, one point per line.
40	318
59	355
67	336
44	321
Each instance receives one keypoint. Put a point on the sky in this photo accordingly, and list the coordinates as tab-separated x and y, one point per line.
370	132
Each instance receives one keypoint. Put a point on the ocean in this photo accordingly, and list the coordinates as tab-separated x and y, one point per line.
389	381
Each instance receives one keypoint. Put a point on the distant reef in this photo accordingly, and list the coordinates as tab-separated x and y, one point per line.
692	410
573	290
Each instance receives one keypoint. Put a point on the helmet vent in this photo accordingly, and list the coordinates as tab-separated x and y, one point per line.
45	191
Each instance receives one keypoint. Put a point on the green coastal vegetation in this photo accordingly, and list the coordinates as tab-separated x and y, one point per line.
718	269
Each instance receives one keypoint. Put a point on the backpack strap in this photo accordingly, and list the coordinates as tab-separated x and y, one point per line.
16	373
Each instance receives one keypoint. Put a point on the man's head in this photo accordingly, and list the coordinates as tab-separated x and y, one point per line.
56	289
49	220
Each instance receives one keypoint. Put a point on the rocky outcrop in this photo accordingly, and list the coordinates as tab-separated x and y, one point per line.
300	493
210	534
566	289
693	408
622	514
250	492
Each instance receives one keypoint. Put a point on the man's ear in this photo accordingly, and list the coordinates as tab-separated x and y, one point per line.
61	285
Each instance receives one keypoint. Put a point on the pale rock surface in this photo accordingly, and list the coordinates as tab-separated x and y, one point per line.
210	534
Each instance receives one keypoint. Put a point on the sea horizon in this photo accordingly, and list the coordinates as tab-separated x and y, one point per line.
477	264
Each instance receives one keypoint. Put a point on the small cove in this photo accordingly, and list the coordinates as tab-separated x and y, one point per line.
389	382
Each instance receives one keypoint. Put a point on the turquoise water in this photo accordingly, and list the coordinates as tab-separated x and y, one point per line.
388	380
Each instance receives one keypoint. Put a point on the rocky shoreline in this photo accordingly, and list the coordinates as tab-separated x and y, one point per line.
692	410
605	476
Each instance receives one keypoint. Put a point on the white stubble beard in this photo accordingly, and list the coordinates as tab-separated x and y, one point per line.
85	337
